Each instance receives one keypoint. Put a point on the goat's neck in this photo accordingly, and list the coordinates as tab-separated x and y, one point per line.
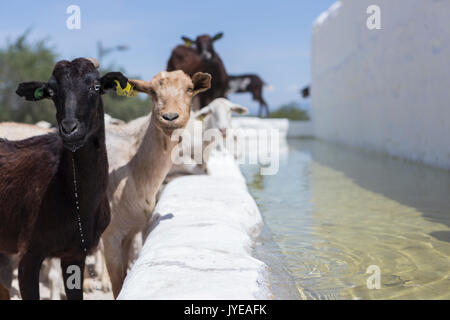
152	161
91	168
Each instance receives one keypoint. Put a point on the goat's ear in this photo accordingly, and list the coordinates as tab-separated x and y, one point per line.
34	91
202	113
140	85
187	42
239	109
217	36
108	81
201	81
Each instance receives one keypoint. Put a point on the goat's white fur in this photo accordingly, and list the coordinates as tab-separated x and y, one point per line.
216	116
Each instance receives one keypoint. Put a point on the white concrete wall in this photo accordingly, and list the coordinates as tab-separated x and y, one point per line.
287	128
300	129
388	89
202	240
282	125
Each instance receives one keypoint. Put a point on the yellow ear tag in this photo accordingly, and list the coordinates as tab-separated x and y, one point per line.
127	92
202	117
188	44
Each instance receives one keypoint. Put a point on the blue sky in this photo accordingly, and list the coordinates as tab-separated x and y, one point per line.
270	38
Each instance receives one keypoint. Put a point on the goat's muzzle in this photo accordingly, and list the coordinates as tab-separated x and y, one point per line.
170	116
206	55
72	134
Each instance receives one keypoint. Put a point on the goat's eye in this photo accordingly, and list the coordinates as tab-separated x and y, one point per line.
97	87
189	90
51	93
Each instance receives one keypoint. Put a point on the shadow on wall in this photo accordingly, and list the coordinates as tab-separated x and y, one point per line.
424	188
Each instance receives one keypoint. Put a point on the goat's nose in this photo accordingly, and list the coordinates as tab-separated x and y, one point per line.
223	131
170	116
69	126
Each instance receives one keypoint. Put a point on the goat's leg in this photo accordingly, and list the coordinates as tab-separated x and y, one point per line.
73	274
136	247
55	281
29	267
98	265
104	278
100	268
89	283
4	293
101	280
6	275
127	255
114	263
263	108
267	109
257	96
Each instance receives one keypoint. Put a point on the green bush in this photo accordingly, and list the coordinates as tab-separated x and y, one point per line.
291	111
20	62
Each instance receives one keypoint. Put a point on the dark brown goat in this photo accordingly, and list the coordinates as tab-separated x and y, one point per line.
200	56
38	214
251	83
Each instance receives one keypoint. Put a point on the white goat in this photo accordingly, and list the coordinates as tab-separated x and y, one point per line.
214	120
19	131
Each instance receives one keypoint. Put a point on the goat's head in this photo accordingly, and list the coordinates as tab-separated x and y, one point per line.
75	88
204	45
220	111
172	94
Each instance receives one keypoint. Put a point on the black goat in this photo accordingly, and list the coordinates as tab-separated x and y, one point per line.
53	187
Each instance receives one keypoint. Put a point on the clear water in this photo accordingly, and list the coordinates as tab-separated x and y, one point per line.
331	212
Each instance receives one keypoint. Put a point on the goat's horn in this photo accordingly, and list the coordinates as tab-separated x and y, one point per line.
94	62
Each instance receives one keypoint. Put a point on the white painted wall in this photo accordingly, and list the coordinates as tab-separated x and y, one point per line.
282	125
287	128
300	129
389	89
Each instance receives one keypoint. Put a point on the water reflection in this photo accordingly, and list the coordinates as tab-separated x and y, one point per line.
334	211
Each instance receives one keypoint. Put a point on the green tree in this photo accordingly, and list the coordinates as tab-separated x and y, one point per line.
19	62
291	111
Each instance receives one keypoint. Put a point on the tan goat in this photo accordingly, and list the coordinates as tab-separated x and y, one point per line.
140	157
